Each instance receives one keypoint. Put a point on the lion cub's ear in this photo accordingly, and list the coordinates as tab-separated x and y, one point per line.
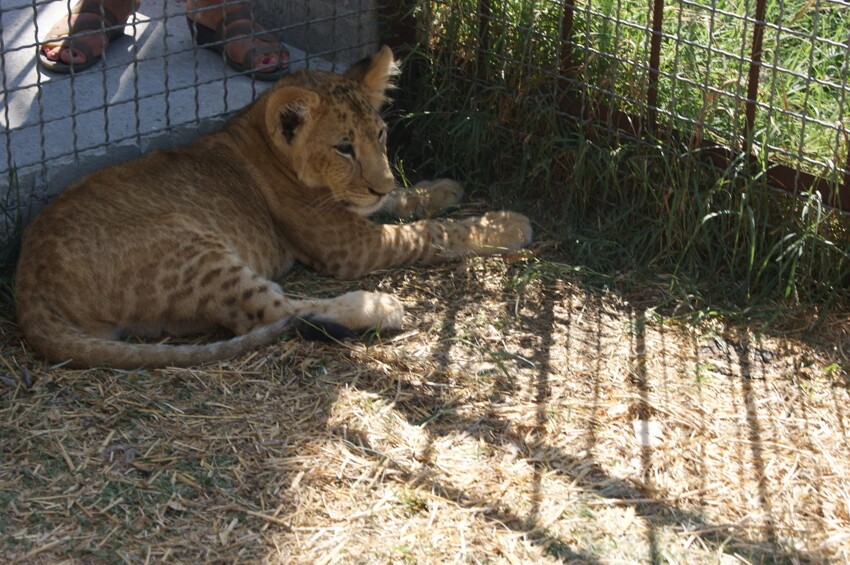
288	109
375	75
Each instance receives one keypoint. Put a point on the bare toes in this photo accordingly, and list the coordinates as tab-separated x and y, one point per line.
71	56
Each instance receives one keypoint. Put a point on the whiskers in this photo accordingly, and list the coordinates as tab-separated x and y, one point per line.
322	204
326	200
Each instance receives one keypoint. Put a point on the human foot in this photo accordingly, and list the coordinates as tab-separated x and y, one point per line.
78	40
247	46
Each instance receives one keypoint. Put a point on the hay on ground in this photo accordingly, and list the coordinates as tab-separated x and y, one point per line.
519	419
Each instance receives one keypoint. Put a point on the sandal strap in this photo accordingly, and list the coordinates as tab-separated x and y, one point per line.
106	21
240	30
94	7
240	21
233	16
87	24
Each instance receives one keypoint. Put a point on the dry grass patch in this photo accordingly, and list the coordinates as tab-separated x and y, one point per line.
521	419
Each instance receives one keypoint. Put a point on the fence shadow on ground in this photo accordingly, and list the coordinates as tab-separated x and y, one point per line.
591	477
575	371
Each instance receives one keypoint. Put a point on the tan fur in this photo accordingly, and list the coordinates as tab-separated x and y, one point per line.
189	240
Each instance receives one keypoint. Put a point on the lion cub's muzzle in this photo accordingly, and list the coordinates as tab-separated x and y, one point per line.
380	192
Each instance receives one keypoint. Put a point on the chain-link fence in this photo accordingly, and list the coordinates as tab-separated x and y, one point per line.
727	78
152	87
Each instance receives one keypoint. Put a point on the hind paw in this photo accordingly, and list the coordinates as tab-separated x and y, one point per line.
361	310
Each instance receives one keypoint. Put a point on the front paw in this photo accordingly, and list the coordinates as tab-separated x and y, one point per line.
497	232
437	195
361	310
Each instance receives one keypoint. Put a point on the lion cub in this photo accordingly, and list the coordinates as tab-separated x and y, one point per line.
189	240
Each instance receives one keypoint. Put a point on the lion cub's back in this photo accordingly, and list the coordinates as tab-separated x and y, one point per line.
105	241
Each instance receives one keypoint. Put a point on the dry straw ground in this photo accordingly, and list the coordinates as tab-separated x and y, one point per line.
521	419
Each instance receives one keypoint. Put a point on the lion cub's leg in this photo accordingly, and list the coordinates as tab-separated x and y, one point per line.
359	310
424	199
247	300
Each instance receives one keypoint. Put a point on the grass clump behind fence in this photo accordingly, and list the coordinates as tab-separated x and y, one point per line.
488	107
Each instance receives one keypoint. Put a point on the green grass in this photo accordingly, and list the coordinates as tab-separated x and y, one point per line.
711	78
704	67
628	212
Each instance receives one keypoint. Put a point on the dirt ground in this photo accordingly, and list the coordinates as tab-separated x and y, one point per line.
520	418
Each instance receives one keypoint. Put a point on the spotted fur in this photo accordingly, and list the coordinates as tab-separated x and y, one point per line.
188	240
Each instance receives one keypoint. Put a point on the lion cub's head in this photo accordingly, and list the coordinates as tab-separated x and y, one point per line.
327	128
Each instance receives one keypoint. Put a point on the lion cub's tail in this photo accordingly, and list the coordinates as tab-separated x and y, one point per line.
60	341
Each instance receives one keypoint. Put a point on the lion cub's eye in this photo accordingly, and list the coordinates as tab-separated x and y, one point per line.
345	148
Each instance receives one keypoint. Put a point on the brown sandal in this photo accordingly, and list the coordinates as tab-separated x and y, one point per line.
106	23
233	26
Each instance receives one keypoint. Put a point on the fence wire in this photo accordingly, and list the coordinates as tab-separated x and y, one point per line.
151	87
768	80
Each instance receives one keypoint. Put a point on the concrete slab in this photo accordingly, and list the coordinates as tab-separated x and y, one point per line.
153	88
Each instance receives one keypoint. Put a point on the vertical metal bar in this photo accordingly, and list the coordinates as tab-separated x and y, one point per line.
253	42
654	62
308	23
566	69
482	54
361	26
4	88
225	68
165	58
336	46
566	65
738	137
706	80
616	65
485	14
774	74
136	105
755	71
675	86
844	191
104	89
39	85
584	105
192	14
72	95
805	106
845	85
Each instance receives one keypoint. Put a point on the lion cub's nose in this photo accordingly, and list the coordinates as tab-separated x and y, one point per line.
382	189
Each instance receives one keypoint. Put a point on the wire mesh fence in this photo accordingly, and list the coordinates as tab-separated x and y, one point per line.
766	82
152	87
730	79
